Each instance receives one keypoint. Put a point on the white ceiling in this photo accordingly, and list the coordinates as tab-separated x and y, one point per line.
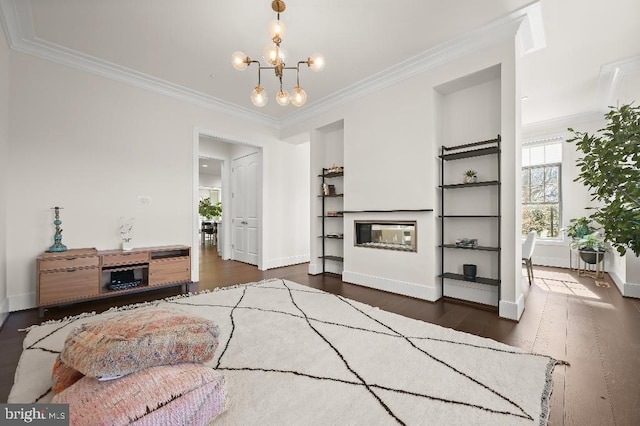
184	43
210	166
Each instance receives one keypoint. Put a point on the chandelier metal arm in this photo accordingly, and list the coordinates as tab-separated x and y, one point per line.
276	57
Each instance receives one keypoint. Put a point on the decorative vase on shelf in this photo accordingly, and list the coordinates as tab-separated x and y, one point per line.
126	233
469	271
127	245
57	238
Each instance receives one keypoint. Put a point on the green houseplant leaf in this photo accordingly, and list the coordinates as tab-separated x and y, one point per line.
610	169
208	210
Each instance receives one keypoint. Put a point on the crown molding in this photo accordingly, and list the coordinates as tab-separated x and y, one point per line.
531	36
611	76
558	126
18	24
525	23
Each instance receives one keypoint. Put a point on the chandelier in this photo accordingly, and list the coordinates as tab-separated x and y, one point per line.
276	57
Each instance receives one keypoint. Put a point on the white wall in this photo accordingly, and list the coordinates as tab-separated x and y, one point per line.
286	209
4	174
210	181
92	145
390	157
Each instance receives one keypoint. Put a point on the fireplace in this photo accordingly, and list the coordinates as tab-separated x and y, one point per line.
386	235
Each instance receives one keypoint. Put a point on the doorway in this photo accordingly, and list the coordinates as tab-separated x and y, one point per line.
210	202
209	145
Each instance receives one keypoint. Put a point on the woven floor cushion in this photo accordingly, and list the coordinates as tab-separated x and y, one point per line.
136	340
63	376
183	394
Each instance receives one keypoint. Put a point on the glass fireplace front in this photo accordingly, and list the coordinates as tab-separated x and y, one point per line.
386	235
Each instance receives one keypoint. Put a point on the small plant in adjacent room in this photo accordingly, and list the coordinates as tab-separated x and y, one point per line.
208	210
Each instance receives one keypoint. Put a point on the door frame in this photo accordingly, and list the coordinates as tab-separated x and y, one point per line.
226	199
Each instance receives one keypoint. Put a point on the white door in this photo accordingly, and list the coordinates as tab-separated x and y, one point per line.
245	208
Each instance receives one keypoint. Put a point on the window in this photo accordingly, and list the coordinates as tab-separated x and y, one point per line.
541	189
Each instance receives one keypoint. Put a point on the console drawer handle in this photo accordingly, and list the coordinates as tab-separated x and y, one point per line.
71	269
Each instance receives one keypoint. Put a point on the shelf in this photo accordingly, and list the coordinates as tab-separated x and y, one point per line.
470	185
481	248
125	268
389	211
331	175
333	216
479	280
331	238
331	257
467	216
471	153
331	196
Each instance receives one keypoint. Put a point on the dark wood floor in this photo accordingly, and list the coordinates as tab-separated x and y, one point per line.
567	317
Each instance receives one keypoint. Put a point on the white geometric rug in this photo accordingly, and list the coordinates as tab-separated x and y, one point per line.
296	355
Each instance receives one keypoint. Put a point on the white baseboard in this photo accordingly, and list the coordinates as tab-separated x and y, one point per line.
558	262
285	261
631	290
4	311
511	310
419	291
472	292
625	288
22	302
330	266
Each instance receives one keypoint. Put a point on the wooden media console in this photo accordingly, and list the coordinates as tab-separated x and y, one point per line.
79	275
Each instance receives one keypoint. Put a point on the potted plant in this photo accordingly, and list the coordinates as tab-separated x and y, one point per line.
470	176
591	247
610	169
579	227
208	210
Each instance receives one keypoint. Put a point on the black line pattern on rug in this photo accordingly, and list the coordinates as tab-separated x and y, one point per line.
355	373
372	385
390	334
513	403
233	327
522	413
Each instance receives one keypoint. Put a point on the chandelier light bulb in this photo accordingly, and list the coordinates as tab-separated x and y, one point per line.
239	61
299	96
316	62
277	29
274	54
282	98
259	96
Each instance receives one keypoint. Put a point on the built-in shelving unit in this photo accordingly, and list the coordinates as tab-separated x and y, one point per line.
491	221
332	206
